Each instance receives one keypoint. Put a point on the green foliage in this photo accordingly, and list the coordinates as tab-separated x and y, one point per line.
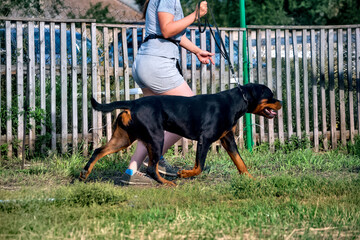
32	6
323	12
28	7
354	148
37	114
261	12
282	12
294	143
299	12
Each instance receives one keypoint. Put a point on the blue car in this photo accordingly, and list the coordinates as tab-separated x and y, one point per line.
47	46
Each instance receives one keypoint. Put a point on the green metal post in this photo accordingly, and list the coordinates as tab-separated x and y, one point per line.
249	139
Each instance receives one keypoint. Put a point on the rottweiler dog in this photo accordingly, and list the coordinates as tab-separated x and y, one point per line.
204	118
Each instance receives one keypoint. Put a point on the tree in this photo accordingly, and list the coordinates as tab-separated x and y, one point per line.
302	12
261	12
280	12
28	7
324	12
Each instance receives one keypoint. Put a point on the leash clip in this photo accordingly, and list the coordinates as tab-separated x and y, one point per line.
234	79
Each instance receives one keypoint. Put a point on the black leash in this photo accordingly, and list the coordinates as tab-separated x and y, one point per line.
206	23
220	45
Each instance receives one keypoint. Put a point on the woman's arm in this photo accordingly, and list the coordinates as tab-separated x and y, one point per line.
203	56
170	28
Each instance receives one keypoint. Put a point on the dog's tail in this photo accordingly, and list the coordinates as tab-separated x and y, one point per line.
109	107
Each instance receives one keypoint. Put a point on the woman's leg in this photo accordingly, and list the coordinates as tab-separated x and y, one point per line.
169	138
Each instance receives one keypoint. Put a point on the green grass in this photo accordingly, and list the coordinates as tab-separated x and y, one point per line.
297	194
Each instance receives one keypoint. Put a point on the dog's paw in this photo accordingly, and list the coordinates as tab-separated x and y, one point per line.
83	175
249	175
180	174
185	173
170	184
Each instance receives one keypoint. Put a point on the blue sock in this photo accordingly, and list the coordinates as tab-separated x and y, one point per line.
129	172
161	157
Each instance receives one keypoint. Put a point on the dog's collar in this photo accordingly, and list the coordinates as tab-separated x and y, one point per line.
242	92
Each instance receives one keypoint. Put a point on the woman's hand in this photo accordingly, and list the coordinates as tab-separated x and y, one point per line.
205	57
203	9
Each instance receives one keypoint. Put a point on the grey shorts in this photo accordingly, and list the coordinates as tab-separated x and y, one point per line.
159	74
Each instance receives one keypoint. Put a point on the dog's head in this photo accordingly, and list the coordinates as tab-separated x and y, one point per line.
261	100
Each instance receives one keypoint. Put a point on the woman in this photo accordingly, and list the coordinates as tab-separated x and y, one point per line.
155	71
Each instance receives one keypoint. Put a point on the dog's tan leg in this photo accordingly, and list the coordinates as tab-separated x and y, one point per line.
153	168
158	176
119	140
202	150
228	142
189	173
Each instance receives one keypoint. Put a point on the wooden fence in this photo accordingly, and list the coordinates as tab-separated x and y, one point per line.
317	77
315	71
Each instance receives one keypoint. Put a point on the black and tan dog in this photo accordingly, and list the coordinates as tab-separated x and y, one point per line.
205	118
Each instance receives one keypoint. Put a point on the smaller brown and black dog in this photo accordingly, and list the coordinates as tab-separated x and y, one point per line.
204	118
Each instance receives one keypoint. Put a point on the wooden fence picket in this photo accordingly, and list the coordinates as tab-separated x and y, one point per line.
107	81
314	80
260	80
64	89
341	86
269	80
74	103
42	78
126	64
350	86
306	83
8	87
332	88
279	87
288	85
297	84
96	120
84	91
53	101
31	83
358	76
20	83
322	88
241	140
